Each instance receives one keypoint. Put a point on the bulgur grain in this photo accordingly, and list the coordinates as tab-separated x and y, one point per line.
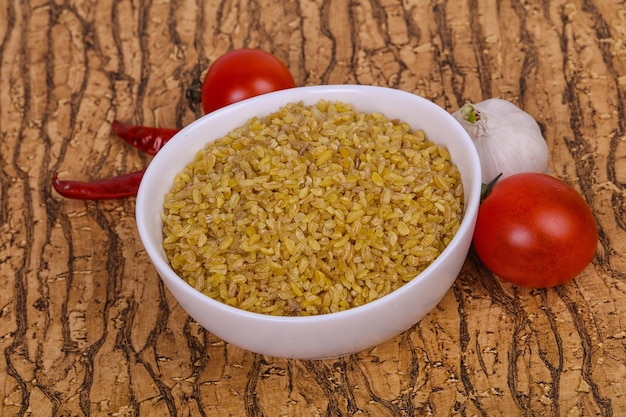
311	210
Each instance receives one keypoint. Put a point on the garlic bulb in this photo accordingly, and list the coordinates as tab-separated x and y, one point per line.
508	139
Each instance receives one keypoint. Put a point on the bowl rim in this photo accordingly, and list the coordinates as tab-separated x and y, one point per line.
171	278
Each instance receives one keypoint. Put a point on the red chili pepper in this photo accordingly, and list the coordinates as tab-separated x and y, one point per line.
125	185
147	139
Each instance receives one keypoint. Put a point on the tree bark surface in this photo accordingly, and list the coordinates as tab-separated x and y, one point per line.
88	329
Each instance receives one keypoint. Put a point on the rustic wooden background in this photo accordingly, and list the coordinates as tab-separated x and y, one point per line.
86	327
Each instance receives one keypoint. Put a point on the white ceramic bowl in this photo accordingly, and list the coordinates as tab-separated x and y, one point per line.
330	335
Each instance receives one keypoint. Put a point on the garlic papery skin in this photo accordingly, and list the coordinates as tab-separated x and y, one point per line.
508	139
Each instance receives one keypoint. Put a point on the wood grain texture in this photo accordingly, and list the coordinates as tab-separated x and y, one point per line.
87	328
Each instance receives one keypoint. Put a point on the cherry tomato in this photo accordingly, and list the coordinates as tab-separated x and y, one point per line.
535	231
241	74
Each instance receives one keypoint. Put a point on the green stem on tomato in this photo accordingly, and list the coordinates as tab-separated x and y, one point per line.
486	188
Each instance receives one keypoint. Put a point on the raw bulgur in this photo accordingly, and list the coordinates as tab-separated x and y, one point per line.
311	210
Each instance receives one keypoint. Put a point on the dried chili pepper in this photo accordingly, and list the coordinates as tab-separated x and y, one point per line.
147	139
125	185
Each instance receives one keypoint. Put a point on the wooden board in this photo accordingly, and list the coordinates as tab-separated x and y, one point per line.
87	328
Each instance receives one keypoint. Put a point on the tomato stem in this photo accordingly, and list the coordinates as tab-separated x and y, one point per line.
194	95
486	188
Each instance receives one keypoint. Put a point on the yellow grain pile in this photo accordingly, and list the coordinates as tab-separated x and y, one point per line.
311	210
